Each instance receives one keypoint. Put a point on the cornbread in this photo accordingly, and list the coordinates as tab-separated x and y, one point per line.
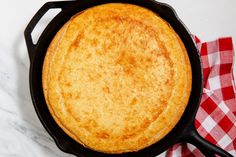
116	78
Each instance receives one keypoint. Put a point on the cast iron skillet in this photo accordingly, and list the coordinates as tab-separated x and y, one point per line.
184	131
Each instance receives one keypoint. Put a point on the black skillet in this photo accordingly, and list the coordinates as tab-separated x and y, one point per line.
184	131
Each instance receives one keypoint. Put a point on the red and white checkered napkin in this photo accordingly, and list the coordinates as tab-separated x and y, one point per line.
216	117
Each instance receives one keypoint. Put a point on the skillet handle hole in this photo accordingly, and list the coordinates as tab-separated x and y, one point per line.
43	22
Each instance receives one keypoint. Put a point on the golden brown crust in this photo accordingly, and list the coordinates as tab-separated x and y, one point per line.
116	78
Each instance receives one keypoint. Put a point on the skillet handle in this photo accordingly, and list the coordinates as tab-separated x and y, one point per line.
34	21
208	149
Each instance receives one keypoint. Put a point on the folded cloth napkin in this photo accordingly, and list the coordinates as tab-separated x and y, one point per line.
216	116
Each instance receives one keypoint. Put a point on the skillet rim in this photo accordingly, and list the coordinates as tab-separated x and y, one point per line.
63	144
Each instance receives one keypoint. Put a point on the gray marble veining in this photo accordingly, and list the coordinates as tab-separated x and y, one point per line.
21	133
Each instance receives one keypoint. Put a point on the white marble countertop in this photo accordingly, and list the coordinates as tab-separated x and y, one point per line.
21	133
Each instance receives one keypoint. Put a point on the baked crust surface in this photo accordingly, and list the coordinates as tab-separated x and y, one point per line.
116	78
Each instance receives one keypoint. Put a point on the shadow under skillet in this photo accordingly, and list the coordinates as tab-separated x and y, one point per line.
23	93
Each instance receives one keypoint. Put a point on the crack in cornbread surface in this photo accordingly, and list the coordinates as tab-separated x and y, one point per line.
116	78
